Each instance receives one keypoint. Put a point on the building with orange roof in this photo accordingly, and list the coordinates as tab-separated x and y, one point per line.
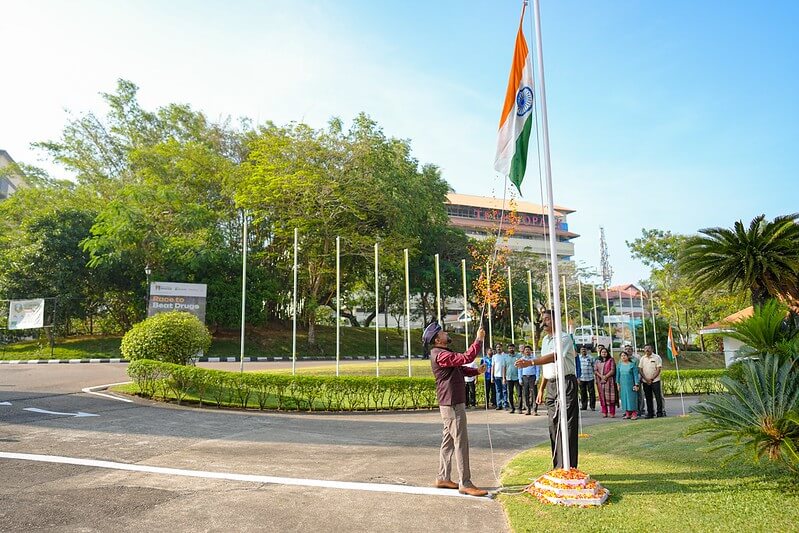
479	217
730	345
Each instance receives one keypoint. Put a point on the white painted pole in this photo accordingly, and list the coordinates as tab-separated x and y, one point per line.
294	305
530	303
565	305
243	287
488	302
621	309
564	427
377	318
465	305
338	303
580	295
596	312
632	326
654	325
510	307
643	316
438	293
607	312
408	309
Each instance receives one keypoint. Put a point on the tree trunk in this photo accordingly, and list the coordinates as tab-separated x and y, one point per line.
352	318
759	296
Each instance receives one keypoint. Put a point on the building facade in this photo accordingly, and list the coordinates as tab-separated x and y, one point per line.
480	216
10	182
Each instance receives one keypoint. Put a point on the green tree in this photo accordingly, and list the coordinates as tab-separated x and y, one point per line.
358	185
678	300
762	259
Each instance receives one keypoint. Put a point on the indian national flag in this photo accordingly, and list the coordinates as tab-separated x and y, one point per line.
516	121
671	347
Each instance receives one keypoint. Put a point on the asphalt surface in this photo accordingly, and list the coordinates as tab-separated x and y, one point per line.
385	448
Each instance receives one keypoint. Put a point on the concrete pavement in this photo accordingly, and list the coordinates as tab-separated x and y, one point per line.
387	448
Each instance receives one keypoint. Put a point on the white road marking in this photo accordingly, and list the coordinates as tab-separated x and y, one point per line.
319	483
5	403
79	414
93	390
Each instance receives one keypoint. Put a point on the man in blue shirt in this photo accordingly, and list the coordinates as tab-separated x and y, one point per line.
491	393
529	376
498	372
585	376
510	375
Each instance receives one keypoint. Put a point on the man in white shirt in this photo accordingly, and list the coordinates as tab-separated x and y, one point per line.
550	369
650	366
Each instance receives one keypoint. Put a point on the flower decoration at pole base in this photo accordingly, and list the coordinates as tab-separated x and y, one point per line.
572	487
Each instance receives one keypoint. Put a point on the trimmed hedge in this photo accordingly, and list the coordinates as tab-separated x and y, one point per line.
174	337
169	381
258	390
692	381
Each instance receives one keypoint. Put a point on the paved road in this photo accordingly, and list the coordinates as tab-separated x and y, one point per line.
389	448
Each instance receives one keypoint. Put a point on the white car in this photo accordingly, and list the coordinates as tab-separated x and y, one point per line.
590	337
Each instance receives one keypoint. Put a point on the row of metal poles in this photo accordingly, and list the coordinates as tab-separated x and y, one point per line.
594	324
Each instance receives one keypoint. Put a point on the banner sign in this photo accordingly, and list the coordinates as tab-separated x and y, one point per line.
169	296
616	319
26	314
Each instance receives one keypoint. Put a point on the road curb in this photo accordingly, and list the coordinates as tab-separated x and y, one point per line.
199	360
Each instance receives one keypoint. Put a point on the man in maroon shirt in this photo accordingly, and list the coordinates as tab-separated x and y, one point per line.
449	371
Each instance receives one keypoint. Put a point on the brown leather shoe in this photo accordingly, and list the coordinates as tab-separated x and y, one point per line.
473	491
441	484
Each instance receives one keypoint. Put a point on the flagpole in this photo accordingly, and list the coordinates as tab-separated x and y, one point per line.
643	316
438	293
632	326
596	312
294	305
377	319
679	383
465	305
338	303
510	306
654	325
580	294
549	293
564	427
565	304
607	310
243	287
530	303
488	300
408	309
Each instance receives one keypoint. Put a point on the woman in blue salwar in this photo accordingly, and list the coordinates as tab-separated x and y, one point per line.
628	381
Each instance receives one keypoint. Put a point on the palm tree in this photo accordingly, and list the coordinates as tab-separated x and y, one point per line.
763	259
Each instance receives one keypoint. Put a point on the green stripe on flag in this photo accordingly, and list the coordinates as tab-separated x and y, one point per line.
519	163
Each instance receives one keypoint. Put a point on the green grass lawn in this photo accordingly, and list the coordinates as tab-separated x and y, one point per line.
659	481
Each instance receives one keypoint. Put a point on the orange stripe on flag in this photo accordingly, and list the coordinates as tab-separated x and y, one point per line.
516	69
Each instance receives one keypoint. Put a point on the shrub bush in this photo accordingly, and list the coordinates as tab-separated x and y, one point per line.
172	337
759	415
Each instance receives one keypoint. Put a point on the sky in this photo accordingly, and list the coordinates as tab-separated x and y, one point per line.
675	115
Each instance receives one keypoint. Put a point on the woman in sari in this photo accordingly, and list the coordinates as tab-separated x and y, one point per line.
605	374
628	381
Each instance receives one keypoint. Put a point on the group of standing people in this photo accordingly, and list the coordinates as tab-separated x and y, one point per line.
508	373
507	386
632	384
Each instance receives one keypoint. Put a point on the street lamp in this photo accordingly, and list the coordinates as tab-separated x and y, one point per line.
147	272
